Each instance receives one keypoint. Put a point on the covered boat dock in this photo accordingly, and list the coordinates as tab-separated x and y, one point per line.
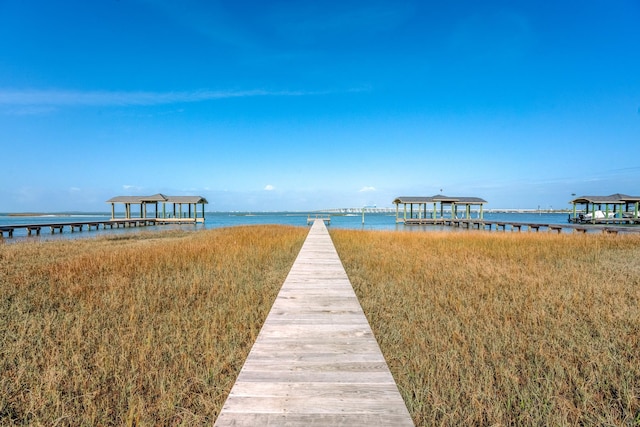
615	208
415	208
175	212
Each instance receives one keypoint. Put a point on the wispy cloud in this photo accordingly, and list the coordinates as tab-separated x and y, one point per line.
367	189
27	110
269	187
127	187
60	98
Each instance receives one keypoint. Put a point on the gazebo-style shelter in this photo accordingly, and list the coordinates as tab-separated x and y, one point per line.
411	201
176	212
619	204
421	206
455	202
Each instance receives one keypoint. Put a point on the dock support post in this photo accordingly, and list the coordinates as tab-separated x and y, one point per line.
31	229
54	227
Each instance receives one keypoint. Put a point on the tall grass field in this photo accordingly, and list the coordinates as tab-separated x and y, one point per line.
504	328
144	329
478	328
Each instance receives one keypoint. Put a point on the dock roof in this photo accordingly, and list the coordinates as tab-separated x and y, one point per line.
611	199
460	200
158	198
439	198
186	199
411	199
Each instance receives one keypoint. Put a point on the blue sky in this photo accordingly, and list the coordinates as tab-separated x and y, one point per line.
304	105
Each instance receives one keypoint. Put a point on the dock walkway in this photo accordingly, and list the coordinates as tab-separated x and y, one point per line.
631	225
35	228
315	361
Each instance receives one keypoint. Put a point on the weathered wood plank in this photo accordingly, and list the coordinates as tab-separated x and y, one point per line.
317	420
315	361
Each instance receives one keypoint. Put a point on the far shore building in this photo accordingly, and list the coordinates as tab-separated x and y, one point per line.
415	208
620	205
177	208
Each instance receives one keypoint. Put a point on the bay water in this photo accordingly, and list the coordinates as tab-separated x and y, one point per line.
372	221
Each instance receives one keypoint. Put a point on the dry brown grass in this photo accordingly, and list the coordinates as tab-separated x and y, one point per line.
147	329
504	328
478	328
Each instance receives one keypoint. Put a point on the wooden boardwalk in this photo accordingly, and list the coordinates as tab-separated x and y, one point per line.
315	361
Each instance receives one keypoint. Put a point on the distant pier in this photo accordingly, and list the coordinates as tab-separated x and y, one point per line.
483	224
324	218
456	212
157	217
53	227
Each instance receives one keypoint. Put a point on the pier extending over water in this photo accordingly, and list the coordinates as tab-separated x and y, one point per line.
53	227
325	218
610	226
618	219
176	204
174	216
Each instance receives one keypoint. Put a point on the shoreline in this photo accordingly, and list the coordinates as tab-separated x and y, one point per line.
304	212
45	214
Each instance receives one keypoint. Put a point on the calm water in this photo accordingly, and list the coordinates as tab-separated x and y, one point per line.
372	221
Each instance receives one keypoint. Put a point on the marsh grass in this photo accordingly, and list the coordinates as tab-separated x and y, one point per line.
504	328
477	328
144	329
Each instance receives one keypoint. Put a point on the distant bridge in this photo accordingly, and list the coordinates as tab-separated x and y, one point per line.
356	210
392	210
